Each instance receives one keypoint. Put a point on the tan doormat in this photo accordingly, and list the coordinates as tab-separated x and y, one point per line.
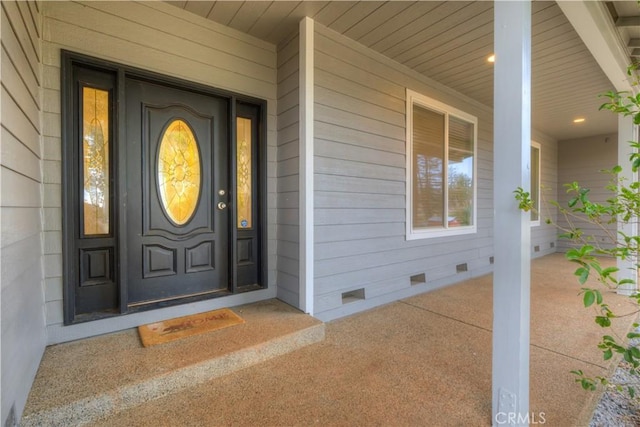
181	327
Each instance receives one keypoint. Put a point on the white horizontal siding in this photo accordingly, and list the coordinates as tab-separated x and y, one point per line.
21	275
157	37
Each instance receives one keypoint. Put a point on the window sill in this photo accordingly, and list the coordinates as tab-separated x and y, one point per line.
429	234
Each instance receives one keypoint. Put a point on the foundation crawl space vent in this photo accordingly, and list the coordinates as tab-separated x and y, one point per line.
418	279
353	296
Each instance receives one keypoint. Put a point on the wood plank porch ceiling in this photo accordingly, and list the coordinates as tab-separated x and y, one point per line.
448	42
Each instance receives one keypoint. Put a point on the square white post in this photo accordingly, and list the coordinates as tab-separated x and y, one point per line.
512	228
627	131
306	173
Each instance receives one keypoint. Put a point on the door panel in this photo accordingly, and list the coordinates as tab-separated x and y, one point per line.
177	160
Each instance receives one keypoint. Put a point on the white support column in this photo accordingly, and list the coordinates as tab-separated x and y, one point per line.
627	131
512	229
306	103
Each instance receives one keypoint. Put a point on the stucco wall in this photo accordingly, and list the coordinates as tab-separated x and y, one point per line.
23	324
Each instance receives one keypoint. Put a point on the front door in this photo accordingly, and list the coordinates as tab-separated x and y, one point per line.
177	224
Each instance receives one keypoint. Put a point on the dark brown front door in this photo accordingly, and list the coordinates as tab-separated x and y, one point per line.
177	222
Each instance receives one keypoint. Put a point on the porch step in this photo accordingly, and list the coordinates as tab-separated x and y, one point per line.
83	381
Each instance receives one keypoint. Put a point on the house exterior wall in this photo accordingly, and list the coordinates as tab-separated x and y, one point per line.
582	160
360	242
288	171
359	155
161	38
21	239
544	236
360	182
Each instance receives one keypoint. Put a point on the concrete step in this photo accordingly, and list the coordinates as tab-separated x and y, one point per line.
85	381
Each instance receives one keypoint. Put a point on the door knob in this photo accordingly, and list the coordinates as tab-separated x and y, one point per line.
222	205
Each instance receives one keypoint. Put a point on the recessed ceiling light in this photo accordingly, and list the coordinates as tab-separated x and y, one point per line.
491	58
579	120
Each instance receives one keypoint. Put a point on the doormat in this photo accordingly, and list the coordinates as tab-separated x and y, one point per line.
181	327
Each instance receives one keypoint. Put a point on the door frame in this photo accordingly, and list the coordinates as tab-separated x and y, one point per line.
71	61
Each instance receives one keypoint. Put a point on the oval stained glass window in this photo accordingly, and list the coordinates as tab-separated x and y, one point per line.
179	172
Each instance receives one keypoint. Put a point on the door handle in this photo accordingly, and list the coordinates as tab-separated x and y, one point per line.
222	206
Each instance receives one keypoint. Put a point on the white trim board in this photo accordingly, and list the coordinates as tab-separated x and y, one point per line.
306	172
598	32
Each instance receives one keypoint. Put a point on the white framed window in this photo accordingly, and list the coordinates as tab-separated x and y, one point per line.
536	164
441	169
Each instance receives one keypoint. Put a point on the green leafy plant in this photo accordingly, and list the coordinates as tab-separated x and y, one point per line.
524	199
622	207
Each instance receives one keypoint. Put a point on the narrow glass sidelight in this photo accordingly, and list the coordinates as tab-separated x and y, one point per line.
243	166
89	165
95	154
179	172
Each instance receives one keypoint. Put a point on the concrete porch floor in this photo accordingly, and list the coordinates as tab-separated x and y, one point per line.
425	360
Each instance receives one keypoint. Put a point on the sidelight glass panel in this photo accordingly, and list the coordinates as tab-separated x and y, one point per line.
95	154
179	172
243	168
428	172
